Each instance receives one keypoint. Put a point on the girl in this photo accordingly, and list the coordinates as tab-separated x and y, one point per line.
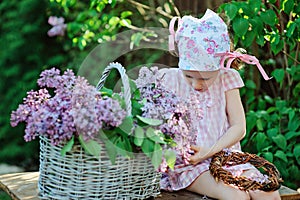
213	94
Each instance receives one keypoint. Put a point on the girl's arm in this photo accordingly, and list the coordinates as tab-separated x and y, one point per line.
234	134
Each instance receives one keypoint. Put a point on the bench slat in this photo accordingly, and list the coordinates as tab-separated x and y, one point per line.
23	186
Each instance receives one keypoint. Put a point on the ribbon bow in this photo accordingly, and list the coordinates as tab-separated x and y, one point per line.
172	33
252	60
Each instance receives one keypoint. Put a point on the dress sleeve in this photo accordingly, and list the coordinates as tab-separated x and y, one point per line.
169	78
232	79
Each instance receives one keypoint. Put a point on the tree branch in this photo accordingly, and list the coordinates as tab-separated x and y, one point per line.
158	10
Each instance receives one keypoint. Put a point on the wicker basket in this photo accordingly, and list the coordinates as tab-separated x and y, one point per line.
81	176
242	182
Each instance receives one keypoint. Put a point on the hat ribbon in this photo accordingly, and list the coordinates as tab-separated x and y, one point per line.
172	33
252	60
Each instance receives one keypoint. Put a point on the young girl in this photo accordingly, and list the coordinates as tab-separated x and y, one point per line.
213	92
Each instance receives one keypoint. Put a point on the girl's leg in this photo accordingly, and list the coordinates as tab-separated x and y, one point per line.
257	195
205	184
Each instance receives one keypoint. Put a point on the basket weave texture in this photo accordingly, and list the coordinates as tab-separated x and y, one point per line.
235	158
78	175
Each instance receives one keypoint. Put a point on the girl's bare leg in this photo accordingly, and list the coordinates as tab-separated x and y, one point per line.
205	184
257	195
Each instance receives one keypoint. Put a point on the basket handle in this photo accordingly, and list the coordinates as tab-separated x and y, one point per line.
125	81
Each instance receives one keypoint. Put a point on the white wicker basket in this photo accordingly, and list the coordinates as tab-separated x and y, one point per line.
81	176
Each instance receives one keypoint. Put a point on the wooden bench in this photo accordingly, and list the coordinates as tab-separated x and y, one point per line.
23	186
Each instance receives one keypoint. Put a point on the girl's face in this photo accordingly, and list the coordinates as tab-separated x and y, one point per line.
200	81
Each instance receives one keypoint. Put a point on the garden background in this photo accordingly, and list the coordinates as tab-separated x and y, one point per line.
270	30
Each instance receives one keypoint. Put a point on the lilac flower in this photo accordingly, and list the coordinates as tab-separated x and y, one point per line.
75	108
163	104
58	28
33	101
110	112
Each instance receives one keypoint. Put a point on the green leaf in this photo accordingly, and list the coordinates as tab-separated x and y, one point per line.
114	21
148	147
152	122
154	135
100	6
276	48
106	92
133	87
269	17
259	125
281	166
136	39
294	171
230	10
240	26
255	5
280	154
125	14
250	84
125	22
260	40
296	153
287	6
261	141
272	132
125	148
170	157
271	109
280	104
291	134
136	108
280	141
268	156
127	125
249	37
91	147
293	123
68	147
245	9
268	99
296	90
257	25
156	156
278	75
138	136
111	151
290	29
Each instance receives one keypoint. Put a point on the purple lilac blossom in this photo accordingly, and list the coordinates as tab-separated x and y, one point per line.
75	108
91	112
59	27
163	104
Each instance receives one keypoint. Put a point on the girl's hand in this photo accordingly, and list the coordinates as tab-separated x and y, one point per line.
201	153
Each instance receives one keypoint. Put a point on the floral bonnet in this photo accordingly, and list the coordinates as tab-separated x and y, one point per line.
204	44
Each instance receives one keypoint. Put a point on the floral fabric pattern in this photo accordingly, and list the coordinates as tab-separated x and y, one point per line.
199	40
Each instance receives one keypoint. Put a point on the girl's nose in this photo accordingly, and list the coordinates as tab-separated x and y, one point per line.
197	85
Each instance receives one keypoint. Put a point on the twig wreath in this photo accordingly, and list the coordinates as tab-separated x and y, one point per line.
224	158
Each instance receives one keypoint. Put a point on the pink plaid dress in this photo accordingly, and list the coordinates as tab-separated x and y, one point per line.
209	125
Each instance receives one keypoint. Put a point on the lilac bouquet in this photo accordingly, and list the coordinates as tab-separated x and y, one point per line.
161	103
67	109
76	109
